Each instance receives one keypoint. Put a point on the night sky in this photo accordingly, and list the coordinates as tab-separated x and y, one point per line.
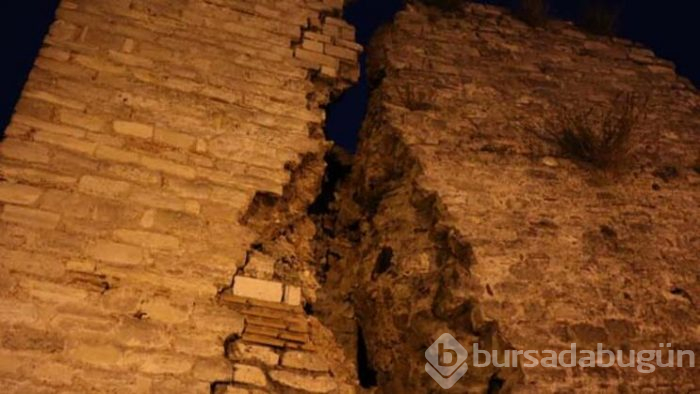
669	27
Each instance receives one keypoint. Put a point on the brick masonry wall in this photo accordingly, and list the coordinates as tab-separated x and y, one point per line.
561	253
142	135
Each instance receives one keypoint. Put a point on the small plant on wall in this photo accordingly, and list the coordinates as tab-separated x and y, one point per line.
446	5
600	17
532	12
600	137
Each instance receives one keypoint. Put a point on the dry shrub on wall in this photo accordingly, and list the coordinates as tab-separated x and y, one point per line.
532	12
601	137
600	17
446	5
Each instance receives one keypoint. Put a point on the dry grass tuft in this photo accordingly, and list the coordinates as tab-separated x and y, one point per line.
446	5
600	17
597	137
533	12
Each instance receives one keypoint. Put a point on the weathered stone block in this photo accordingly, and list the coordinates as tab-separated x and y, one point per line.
30	217
99	186
148	239
249	374
256	288
246	352
106	356
26	151
66	142
292	295
19	194
318	384
105	152
117	253
316	58
133	129
172	138
213	369
168	167
260	266
305	360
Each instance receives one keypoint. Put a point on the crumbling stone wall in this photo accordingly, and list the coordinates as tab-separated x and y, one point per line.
495	237
143	134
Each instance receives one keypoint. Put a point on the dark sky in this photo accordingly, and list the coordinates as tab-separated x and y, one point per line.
669	27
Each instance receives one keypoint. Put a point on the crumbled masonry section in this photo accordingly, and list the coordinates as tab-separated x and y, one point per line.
144	134
455	220
280	349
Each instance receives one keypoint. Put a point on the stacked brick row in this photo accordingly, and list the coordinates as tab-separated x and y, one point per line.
276	350
144	131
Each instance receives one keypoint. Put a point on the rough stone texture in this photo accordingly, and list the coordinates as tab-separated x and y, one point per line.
143	135
452	222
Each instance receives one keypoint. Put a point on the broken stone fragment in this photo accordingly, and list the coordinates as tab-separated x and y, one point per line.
258	289
260	266
292	295
305	360
246	352
249	374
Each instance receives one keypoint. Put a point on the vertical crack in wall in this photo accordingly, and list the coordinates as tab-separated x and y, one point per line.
283	226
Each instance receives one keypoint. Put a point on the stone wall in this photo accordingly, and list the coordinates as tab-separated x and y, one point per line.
143	134
455	219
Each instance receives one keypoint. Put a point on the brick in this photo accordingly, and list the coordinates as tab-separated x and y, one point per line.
103	187
340	52
117	253
30	217
81	266
249	374
55	99
130	60
129	45
55	54
305	360
292	295
318	384
100	355
257	288
134	174
105	152
33	263
172	138
13	311
26	151
133	129
316	58
66	142
168	167
31	175
84	121
48	126
329	71
317	37
66	69
166	202
349	44
315	46
213	369
147	239
161	309
19	194
101	65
